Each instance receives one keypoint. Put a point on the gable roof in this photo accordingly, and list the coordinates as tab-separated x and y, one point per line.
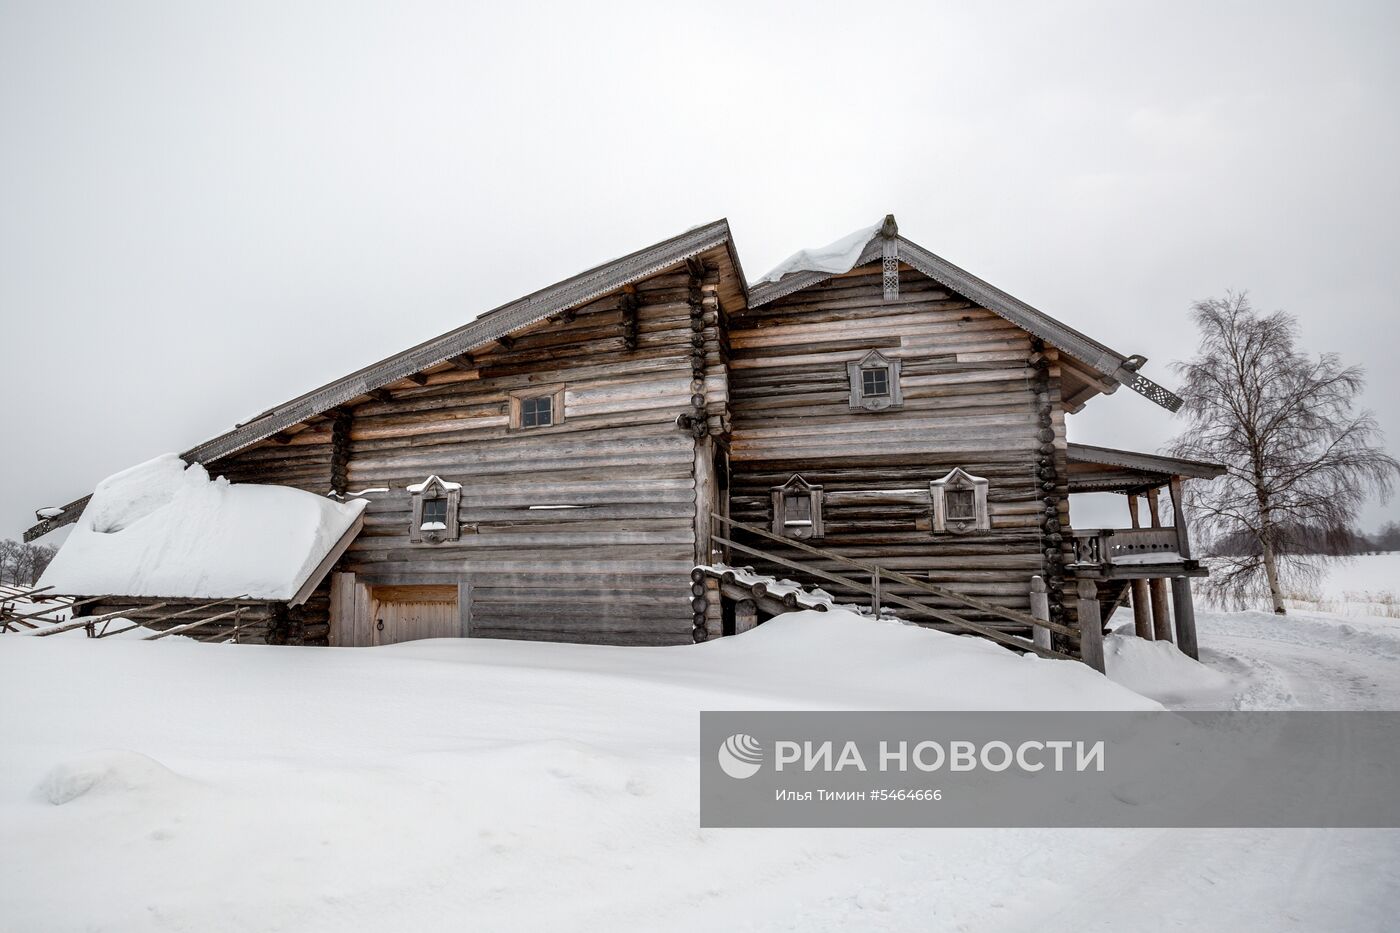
1107	367
534	307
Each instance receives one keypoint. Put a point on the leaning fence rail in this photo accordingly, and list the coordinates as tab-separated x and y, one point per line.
879	592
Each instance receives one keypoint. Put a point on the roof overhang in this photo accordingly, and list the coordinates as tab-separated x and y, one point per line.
1105	469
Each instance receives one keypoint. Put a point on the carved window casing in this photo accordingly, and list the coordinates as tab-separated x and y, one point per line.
875	382
797	509
434	514
959	503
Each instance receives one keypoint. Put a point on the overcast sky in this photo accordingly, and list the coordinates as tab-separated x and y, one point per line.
207	209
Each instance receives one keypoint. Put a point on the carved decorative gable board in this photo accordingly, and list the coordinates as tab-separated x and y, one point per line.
875	382
959	503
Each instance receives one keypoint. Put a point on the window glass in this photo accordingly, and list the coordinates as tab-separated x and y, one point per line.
875	382
961	504
537	412
434	515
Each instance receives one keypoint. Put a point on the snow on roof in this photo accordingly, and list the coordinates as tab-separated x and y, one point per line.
840	256
161	529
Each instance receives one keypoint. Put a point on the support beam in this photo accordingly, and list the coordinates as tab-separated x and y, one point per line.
380	395
1161	615
1185	617
417	379
629	304
1142	615
745	616
1090	626
1040	608
506	341
1183	536
463	361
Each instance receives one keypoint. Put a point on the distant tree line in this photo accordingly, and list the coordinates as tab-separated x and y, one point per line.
23	564
1334	542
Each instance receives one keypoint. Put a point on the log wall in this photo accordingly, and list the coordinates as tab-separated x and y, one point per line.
612	565
977	394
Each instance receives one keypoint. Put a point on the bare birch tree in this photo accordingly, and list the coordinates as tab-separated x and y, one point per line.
1302	458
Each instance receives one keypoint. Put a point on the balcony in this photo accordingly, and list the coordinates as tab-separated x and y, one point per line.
1131	554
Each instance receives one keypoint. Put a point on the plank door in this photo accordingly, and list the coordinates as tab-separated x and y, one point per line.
408	613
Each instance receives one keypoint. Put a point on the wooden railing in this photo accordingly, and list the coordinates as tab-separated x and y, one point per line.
880	595
1106	545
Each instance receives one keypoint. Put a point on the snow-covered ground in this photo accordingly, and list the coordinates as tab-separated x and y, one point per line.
496	785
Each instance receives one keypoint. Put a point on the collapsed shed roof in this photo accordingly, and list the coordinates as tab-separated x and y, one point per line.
161	529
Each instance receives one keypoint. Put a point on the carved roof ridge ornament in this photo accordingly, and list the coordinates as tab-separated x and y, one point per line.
889	258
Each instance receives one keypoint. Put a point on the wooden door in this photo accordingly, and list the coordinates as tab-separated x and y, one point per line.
408	613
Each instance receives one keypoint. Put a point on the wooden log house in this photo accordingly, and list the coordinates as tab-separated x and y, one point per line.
579	464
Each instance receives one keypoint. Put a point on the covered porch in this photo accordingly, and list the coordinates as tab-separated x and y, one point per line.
1139	559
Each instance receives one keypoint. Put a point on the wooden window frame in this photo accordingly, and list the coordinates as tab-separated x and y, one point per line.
855	369
434	489
961	480
797	486
517	404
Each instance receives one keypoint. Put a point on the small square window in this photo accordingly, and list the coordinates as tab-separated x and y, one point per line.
434	515
537	411
875	382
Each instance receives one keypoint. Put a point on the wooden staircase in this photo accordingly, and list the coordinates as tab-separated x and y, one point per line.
922	602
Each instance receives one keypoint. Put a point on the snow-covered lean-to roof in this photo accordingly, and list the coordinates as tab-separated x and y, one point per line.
162	529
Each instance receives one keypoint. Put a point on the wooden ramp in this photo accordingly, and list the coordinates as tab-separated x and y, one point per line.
918	600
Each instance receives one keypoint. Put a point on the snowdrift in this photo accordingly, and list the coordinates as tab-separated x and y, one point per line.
162	529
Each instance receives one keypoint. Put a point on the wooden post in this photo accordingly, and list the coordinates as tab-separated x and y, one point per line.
1040	608
745	615
705	497
1183	537
1185	617
875	591
1090	626
1142	617
1161	616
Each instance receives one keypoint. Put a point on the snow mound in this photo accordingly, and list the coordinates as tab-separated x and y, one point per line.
108	772
840	256
847	651
1159	670
161	529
